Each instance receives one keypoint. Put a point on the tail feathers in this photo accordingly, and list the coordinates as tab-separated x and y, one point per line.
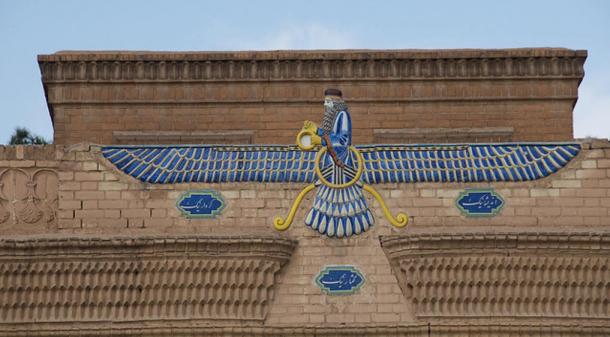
340	212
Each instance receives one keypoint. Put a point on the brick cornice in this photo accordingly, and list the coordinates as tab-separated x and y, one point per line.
312	65
145	279
503	275
269	246
396	245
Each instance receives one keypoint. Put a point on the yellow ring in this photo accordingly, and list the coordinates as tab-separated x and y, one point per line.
300	135
344	185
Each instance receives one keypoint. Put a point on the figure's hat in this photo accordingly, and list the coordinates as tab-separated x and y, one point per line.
333	92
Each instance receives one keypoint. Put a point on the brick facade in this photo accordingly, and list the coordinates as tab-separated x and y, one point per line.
88	250
263	97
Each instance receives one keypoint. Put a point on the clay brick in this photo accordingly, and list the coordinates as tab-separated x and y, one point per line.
385	317
89	185
108	176
88	176
89	195
427	202
64	176
89	204
544	192
112	195
135	213
135	223
115	224
248	194
112	214
590	174
22	163
252	203
65	214
46	163
158	203
157	222
112	186
591	192
603	163
89	214
69	186
566	184
451	194
427	193
546	211
105	204
90	166
159	213
230	194
69	223
65	195
589	164
69	204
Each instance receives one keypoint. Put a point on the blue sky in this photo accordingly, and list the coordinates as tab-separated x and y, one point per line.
28	28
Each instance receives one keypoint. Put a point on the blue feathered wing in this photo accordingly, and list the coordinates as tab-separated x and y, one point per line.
382	163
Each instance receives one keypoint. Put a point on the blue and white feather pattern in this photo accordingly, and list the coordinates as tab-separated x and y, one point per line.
339	212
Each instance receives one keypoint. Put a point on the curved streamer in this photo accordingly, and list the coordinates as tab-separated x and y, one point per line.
401	219
282	224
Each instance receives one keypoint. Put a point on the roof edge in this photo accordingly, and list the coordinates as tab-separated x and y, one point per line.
89	55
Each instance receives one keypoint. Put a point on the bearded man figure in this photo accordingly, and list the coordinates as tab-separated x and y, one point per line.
339	208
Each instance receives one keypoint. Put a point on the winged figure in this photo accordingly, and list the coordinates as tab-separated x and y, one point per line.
324	158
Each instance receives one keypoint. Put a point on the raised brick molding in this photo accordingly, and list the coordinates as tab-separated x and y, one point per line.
523	275
188	329
120	279
443	135
177	137
320	64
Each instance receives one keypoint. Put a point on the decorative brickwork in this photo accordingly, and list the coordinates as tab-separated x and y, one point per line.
92	96
516	275
28	187
28	196
143	278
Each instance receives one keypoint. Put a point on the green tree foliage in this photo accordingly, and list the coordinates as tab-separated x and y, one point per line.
25	137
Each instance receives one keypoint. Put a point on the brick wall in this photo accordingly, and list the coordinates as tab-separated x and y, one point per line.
94	195
97	97
96	199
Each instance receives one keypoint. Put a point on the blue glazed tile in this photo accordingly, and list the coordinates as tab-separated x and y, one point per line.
201	204
340	280
479	202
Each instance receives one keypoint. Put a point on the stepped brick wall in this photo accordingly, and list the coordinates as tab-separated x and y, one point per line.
395	96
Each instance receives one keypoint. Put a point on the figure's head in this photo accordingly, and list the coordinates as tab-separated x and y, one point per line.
333	104
331	96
